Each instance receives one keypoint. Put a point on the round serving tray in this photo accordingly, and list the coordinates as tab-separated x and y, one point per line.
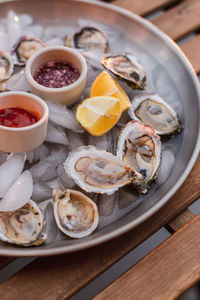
168	72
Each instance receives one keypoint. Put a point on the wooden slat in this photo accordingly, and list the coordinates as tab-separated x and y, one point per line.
143	7
180	20
191	49
60	277
179	221
165	273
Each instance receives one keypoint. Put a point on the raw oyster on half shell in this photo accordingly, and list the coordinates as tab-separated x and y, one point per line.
96	170
127	68
76	215
6	65
88	38
152	110
140	148
24	226
25	47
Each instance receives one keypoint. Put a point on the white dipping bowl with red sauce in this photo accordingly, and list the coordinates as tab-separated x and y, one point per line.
22	139
67	94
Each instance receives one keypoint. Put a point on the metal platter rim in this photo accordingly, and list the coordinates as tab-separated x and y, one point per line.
27	252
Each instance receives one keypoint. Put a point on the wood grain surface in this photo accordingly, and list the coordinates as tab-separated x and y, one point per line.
64	275
60	277
143	7
165	273
180	20
191	48
179	221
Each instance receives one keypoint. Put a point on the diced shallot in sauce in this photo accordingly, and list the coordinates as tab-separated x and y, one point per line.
56	74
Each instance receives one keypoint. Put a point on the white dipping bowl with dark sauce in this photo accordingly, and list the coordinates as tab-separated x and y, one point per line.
67	94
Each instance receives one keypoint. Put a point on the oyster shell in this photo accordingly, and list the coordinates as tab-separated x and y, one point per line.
3	86
127	68
24	226
88	38
140	147
76	215
152	110
6	66
25	47
96	170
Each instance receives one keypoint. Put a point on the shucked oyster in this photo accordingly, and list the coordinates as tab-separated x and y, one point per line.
6	65
25	47
140	147
96	170
88	38
76	215
127	68
152	110
24	226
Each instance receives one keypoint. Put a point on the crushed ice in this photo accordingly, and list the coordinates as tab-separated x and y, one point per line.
46	162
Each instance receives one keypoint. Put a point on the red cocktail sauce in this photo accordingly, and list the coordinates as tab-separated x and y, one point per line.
17	117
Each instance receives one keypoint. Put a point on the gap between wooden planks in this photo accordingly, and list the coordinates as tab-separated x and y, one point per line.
4	261
165	273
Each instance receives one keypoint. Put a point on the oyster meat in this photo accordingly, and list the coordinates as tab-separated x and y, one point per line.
25	47
127	68
152	110
6	65
23	226
140	147
88	38
76	215
96	170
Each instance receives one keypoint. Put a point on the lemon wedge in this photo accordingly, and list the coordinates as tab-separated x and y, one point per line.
99	114
105	85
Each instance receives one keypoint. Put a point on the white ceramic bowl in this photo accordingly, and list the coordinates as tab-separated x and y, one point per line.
68	94
24	138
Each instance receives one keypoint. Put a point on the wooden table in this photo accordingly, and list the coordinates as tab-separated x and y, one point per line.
171	268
